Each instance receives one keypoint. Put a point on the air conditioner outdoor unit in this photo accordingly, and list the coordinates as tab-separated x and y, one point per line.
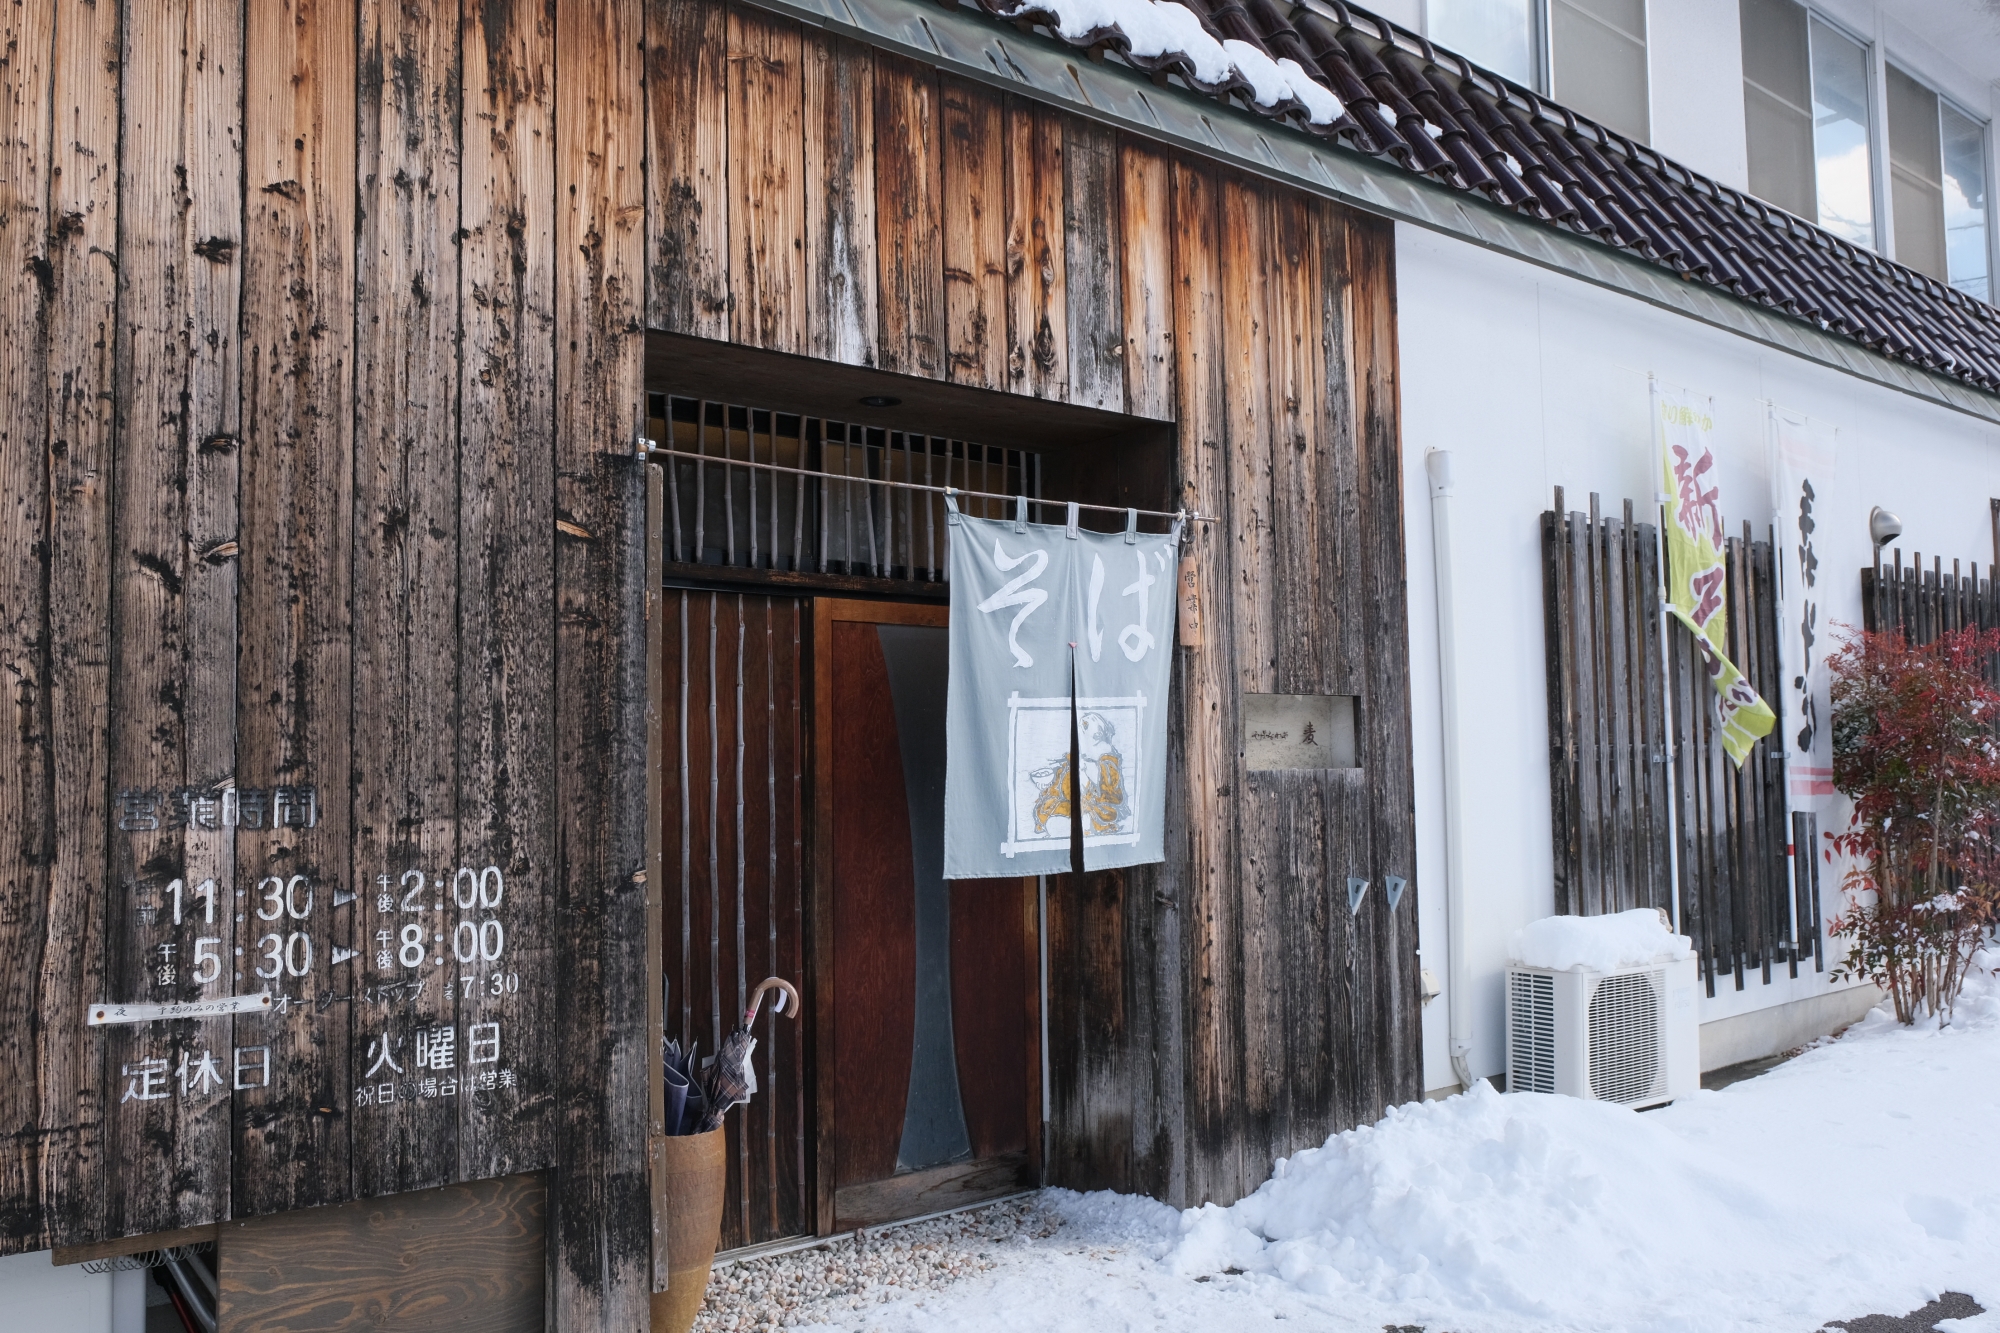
1628	1035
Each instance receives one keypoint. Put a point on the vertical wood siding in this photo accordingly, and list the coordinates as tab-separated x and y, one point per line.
293	293
323	326
78	388
406	515
176	505
506	523
295	638
1225	1007
601	1216
39	1109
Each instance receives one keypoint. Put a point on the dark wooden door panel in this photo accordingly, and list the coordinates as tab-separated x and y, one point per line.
994	992
735	879
874	919
921	1108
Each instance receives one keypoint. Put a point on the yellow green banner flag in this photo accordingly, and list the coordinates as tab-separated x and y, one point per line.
1697	568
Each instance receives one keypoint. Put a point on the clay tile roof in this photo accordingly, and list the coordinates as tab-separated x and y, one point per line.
1437	115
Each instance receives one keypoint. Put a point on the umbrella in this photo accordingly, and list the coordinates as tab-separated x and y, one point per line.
684	1101
683	1096
731	1081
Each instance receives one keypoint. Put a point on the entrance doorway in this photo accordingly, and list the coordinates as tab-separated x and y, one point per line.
929	990
915	1083
800	677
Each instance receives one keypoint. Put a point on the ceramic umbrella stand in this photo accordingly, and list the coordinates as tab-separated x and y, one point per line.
694	1173
691	1166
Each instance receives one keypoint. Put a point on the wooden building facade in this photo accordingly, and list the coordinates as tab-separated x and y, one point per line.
346	644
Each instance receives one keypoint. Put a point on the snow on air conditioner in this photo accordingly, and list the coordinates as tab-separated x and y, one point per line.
1603	1008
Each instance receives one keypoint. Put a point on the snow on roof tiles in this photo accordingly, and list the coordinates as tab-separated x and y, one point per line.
1342	74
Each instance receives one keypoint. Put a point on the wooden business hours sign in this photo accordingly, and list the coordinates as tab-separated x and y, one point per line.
421	956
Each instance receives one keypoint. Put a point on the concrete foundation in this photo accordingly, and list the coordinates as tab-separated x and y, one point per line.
1762	1032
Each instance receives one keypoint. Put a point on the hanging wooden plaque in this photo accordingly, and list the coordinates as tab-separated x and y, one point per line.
1190	608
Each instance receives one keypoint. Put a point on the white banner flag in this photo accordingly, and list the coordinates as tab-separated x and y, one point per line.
1805	454
1057	634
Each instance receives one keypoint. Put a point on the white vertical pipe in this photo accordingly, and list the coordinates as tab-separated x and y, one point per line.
1458	984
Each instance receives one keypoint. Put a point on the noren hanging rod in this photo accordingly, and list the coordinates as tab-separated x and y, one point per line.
655	453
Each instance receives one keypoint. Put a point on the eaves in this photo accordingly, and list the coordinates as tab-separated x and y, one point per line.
971	45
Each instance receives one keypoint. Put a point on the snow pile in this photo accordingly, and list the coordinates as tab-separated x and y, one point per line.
1848	1181
1620	939
1154	28
1835	1185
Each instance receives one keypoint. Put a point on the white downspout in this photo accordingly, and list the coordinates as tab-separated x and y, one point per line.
1458	983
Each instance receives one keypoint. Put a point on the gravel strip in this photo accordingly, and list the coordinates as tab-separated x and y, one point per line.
1951	1305
806	1287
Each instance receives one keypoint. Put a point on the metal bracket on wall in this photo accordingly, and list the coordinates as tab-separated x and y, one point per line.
1357	889
1394	884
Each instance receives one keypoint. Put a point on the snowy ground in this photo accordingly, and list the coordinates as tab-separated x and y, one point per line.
1862	1177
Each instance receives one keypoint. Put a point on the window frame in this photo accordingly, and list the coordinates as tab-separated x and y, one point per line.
1878	59
1545	55
1541	49
1985	124
1878	124
1539	76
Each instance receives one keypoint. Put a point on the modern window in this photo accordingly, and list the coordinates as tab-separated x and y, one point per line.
1597	60
1937	185
1502	35
1590	55
1965	245
1844	164
1805	102
1777	105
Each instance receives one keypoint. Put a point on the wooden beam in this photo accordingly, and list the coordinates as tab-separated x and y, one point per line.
687	171
174	594
600	1256
506	545
126	1245
1208	704
405	600
82	273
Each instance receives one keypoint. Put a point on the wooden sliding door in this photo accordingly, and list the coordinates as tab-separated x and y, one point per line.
927	991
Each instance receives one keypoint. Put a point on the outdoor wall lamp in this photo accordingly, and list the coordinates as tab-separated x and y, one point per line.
1883	528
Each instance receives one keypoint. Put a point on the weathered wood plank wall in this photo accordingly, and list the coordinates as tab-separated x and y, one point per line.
1225	1007
322	347
319	621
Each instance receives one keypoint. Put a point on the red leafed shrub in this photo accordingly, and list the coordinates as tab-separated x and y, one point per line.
1915	748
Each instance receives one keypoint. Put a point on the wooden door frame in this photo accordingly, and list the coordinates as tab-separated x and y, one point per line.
656	871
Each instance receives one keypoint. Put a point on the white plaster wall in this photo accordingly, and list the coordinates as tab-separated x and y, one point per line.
35	1294
1533	380
1695	69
